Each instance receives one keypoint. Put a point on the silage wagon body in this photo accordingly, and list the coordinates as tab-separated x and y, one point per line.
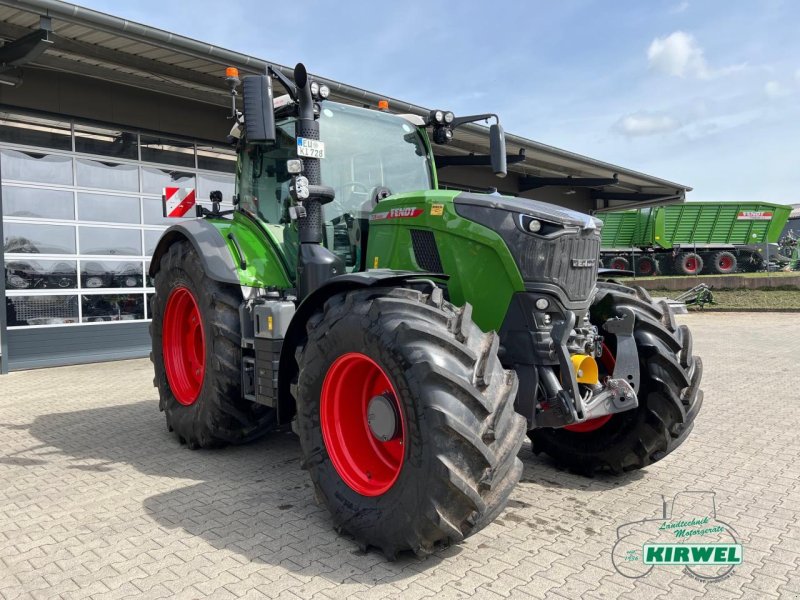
715	237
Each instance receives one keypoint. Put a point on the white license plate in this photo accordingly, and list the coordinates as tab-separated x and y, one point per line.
310	148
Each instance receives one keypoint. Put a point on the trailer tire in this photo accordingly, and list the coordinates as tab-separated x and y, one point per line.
205	411
723	262
750	261
458	433
669	394
688	263
646	266
620	263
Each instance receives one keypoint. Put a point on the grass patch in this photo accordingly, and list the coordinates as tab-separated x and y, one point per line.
727	300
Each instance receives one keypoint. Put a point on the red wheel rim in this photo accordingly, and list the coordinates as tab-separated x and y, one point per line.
608	362
725	263
619	265
367	465
691	264
645	267
183	345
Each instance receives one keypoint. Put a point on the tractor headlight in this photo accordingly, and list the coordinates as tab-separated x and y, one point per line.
534	226
324	91
301	187
448	117
314	89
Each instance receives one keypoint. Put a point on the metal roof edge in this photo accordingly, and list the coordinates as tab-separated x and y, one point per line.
171	41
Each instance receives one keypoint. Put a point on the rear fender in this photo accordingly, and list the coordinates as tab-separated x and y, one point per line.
209	244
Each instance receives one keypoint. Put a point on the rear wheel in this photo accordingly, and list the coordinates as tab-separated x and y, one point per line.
750	262
646	266
669	395
197	355
723	262
688	263
406	419
620	263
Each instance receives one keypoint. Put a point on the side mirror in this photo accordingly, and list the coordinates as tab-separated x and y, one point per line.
259	118
497	150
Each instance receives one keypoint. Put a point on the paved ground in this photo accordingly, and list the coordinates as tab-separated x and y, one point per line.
98	500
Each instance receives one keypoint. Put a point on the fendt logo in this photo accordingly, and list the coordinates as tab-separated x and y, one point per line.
583	263
397	213
754	215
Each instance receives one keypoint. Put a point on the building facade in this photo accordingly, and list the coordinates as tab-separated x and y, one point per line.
98	115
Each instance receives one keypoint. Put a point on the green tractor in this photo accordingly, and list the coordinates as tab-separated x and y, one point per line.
410	336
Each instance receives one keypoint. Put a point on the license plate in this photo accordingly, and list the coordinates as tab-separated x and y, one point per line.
310	148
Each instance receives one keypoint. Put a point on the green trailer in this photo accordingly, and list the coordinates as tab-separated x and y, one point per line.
687	239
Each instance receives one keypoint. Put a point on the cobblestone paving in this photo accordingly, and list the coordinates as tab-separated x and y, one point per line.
98	500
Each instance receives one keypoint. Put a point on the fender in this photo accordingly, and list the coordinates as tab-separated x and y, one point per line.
296	333
209	245
603	272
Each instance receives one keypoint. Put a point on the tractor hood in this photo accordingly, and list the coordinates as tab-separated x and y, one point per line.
534	208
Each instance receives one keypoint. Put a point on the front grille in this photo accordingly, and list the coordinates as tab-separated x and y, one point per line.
552	260
425	251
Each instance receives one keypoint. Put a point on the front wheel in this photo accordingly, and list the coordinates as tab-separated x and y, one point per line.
669	394
406	419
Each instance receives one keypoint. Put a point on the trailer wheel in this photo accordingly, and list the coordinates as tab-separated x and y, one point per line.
669	394
406	419
688	263
620	263
750	262
646	266
723	262
197	355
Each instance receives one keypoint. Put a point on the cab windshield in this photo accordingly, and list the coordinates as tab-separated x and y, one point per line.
364	150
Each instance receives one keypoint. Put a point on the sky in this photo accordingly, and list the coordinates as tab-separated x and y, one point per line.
705	93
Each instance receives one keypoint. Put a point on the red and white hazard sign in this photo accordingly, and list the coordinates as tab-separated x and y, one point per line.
178	201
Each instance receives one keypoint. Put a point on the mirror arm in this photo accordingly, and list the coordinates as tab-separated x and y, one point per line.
458	121
291	88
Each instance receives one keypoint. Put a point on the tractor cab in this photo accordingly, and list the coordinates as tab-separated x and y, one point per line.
369	155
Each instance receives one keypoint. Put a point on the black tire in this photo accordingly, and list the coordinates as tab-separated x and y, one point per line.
460	459
646	266
723	263
620	263
220	415
750	262
669	394
665	264
688	263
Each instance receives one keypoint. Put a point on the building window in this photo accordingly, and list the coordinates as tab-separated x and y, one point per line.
82	218
106	142
38	203
19	165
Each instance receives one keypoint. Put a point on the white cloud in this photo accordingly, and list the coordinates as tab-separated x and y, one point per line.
643	124
680	7
677	54
775	89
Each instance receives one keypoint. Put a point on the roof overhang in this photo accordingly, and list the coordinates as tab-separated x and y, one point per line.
97	45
